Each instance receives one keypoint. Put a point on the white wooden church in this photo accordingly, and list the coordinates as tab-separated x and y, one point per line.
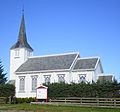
28	71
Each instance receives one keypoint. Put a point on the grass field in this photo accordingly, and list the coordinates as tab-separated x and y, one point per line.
51	108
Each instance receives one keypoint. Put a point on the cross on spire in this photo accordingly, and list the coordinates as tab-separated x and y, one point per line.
23	10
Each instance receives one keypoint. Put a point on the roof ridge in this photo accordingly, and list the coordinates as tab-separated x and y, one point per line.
52	55
88	57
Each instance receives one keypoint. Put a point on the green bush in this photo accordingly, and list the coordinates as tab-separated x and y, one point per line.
7	90
105	89
24	100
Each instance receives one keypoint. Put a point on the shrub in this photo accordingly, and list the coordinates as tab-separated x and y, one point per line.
105	89
7	90
24	100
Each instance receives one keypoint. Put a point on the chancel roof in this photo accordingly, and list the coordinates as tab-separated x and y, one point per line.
86	63
49	63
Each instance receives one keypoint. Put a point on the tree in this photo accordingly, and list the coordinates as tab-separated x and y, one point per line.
3	77
7	90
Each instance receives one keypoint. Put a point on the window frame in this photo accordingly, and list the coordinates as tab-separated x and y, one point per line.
61	78
82	78
17	53
33	83
21	84
48	77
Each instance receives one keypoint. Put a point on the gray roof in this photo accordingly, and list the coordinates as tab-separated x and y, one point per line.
106	78
53	62
22	39
86	63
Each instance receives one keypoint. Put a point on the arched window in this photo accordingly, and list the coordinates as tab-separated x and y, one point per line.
47	79
22	84
34	83
82	78
61	78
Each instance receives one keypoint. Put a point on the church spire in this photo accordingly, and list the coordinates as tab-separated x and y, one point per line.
22	39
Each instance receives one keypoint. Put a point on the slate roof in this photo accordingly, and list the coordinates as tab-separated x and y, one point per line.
22	39
52	63
86	63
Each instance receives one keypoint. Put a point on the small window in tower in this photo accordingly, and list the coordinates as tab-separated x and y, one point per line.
16	53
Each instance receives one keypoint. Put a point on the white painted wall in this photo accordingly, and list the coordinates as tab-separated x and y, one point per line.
89	76
40	80
98	71
16	61
28	92
53	77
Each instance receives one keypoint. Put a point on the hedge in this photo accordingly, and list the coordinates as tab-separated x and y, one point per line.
104	90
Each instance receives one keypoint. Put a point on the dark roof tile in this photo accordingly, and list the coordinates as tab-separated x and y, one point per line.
55	62
87	63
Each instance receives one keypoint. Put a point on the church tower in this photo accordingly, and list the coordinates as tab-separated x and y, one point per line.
20	51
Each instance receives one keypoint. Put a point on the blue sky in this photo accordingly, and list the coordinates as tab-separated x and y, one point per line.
91	27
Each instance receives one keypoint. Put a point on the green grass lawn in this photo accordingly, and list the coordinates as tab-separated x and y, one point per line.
51	108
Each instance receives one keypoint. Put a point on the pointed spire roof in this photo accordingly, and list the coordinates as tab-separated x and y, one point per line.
22	39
